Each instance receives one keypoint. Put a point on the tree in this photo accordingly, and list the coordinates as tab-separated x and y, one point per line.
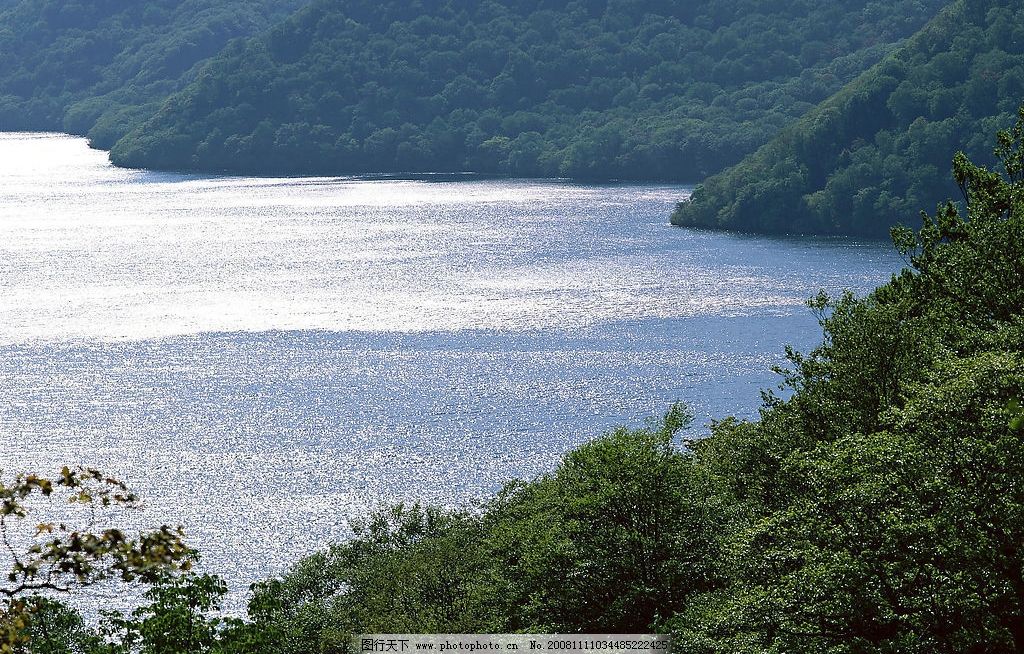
896	520
59	556
615	540
180	616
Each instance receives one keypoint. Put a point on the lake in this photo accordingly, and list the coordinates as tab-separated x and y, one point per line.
264	359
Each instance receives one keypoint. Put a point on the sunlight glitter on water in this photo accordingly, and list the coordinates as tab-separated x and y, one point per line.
112	254
264	358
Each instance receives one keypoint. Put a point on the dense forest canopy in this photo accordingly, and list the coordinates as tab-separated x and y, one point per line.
673	89
98	67
878	151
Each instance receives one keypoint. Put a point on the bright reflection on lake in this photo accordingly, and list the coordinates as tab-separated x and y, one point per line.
264	358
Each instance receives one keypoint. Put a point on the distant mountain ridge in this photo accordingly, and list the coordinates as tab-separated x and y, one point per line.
99	67
593	89
879	151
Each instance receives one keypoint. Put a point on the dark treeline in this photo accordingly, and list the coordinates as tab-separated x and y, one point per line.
612	89
878	509
874	154
99	67
598	89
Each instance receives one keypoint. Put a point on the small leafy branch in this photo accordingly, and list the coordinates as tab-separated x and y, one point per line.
60	558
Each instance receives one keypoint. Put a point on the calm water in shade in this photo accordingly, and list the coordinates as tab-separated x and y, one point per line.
264	358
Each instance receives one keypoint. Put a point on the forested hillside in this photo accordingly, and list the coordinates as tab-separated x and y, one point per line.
877	152
673	89
101	66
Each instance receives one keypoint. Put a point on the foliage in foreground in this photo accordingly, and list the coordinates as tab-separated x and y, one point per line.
878	508
59	557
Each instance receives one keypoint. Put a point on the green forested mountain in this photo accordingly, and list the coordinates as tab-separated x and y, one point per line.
877	152
670	89
100	66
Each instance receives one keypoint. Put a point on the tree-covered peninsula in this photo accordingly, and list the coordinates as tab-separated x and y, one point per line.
99	67
875	153
673	89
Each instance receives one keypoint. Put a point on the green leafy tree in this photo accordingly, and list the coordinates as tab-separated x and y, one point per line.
615	539
612	541
891	520
182	614
56	628
59	557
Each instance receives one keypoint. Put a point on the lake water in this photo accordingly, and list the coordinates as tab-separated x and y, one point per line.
263	359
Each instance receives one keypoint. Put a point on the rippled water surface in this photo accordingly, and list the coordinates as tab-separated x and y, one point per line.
264	358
